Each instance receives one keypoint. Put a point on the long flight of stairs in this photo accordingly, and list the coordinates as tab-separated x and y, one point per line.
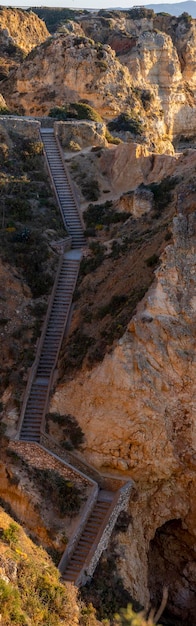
88	537
92	540
37	401
36	397
64	192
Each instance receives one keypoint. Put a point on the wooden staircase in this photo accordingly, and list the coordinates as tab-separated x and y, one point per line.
89	536
39	384
64	192
95	526
35	404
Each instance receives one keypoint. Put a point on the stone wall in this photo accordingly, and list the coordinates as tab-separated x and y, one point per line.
26	127
120	503
76	135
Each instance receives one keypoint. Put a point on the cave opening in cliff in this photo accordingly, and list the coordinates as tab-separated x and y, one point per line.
171	564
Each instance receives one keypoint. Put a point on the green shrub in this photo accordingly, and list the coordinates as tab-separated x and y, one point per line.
75	110
5	111
162	192
72	430
164	14
54	17
128	617
186	18
77	347
106	590
90	264
19	208
111	139
127	122
103	65
103	214
11	534
63	494
10	604
90	189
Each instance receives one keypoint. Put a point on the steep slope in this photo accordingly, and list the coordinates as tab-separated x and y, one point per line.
30	590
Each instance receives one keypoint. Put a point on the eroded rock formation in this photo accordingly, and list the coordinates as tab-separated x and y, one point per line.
21	29
144	65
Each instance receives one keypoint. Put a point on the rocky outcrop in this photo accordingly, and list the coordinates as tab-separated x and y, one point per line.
70	68
138	67
76	135
20	29
159	52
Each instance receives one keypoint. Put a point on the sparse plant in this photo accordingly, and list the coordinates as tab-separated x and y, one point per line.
90	189
162	192
111	139
11	534
103	214
71	429
127	122
75	110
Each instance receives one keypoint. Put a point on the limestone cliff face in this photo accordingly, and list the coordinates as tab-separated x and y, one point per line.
66	69
137	409
22	29
160	55
146	65
146	388
154	64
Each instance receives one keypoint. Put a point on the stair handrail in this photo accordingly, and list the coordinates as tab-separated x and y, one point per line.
121	498
33	369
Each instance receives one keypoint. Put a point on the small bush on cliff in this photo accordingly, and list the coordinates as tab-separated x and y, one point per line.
55	17
127	122
10	535
90	264
10	602
5	111
90	189
72	430
103	214
162	192
75	110
111	139
63	494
